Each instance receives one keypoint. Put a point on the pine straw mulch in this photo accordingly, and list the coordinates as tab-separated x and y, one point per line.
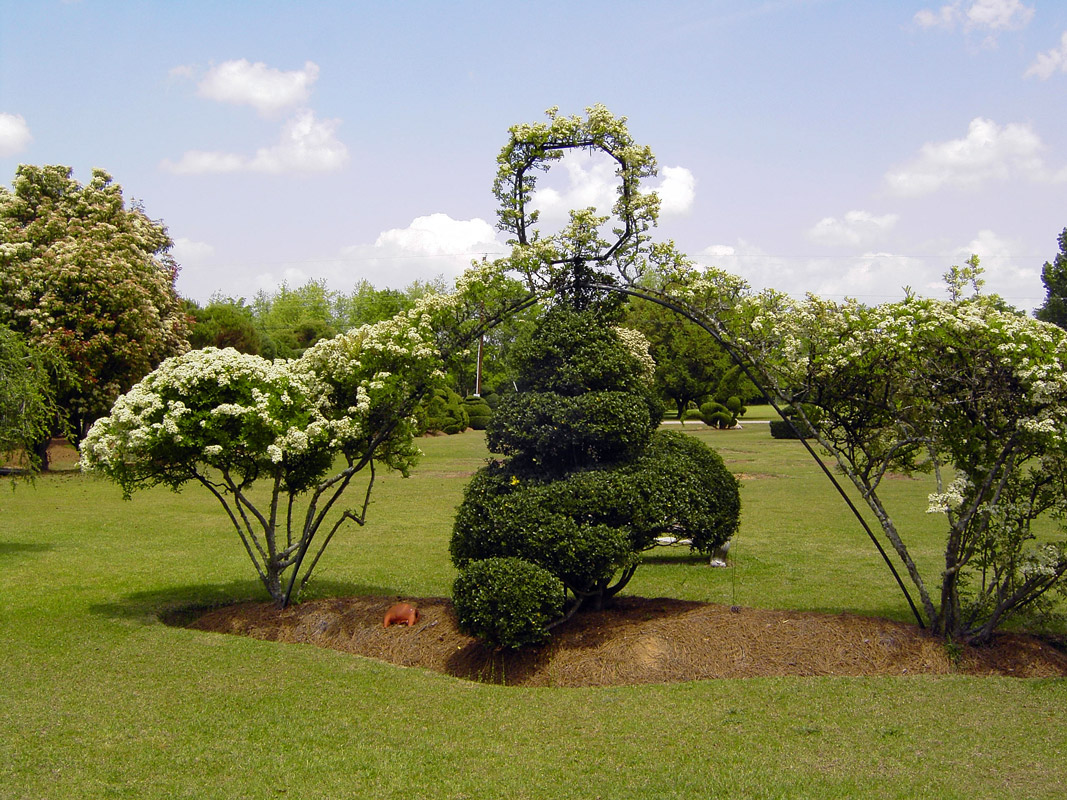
638	640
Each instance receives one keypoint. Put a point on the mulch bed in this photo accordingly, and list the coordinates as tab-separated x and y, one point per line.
638	640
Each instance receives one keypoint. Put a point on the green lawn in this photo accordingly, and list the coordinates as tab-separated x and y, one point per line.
99	699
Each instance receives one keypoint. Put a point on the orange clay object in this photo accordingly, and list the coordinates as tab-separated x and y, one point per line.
401	613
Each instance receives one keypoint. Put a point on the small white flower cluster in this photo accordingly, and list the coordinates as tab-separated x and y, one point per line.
636	343
1045	561
950	499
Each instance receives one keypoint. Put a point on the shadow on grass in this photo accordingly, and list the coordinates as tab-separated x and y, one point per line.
13	548
180	605
674	555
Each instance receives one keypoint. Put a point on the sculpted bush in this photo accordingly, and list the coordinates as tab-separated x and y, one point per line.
587	482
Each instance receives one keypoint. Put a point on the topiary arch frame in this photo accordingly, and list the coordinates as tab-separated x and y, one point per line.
577	259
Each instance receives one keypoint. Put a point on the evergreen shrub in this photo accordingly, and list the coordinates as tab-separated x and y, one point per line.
507	602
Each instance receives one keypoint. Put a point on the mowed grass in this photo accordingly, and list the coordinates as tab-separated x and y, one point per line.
99	699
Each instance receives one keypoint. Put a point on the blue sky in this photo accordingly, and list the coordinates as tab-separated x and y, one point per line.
847	147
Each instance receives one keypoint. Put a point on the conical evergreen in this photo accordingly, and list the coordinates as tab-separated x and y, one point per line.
586	483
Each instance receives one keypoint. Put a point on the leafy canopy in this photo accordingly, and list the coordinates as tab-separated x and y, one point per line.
87	277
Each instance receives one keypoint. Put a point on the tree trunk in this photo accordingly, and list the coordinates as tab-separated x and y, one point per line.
40	450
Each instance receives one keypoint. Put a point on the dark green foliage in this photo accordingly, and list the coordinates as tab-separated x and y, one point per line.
676	484
735	383
479	412
690	364
780	429
27	404
717	415
226	323
573	353
588	482
1054	276
544	430
582	399
507	602
444	412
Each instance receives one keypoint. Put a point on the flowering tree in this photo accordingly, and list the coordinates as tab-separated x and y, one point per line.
304	428
966	389
89	278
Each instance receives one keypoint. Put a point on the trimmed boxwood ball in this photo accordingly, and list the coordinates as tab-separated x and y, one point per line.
479	412
507	602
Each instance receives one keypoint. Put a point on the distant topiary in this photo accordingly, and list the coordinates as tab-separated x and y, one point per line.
781	429
717	415
735	406
444	412
587	482
479	412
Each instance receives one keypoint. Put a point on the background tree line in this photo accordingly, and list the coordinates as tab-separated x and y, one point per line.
88	306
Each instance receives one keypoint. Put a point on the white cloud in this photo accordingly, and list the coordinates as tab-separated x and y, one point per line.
988	152
440	235
430	246
196	162
266	89
1003	273
306	144
1047	64
186	250
591	182
14	134
677	191
992	15
761	270
873	277
858	228
182	71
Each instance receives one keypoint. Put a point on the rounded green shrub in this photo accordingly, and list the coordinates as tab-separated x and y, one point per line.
781	429
479	412
507	602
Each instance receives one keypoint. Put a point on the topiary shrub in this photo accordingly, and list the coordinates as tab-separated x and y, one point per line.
717	415
507	602
479	412
735	406
444	412
781	429
588	482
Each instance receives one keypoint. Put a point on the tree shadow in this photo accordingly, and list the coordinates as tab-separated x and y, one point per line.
665	555
180	605
13	548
